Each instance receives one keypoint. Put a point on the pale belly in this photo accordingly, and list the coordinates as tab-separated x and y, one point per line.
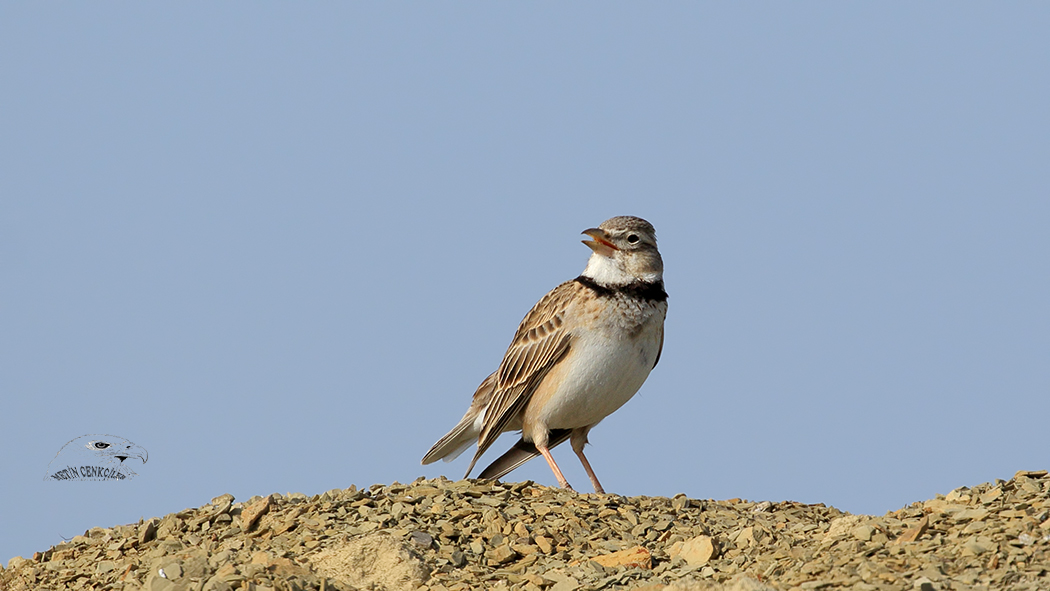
604	374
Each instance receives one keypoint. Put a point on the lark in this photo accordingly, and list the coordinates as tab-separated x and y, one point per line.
579	355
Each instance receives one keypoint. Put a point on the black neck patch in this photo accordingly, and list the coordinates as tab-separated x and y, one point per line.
641	290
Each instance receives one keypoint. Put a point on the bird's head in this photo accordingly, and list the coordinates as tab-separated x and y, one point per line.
624	252
117	448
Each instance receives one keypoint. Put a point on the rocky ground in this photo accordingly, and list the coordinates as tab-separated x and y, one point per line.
444	535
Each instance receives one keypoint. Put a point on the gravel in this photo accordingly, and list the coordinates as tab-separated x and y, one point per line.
457	535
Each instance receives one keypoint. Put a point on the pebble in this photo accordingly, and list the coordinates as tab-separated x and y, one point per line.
459	535
696	551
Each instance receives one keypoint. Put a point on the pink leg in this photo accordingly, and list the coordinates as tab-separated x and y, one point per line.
590	472
554	467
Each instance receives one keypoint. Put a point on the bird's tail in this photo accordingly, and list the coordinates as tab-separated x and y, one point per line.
467	430
522	452
455	441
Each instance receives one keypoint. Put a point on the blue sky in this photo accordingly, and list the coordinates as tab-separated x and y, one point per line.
279	246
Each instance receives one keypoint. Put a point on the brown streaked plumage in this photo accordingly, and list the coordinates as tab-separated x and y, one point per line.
581	352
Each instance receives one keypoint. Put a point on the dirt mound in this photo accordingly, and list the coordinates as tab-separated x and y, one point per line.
444	535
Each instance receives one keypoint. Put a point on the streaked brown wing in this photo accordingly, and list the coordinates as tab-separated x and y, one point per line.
541	340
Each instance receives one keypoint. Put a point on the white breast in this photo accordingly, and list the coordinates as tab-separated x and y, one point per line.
609	363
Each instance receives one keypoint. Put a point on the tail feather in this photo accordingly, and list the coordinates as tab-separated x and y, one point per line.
454	442
522	452
468	429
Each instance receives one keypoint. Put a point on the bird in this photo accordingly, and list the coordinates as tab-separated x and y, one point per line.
579	355
95	457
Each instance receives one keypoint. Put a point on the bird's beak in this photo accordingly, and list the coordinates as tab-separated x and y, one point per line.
133	451
600	244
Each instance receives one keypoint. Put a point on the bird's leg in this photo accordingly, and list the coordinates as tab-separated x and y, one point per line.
590	472
554	466
579	439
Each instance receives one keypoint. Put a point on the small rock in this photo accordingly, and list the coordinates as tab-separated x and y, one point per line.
562	581
171	571
748	536
695	551
501	554
977	546
105	566
162	584
990	496
863	532
226	572
524	549
250	515
537	580
637	556
216	583
147	531
262	558
915	532
971	514
421	540
844	525
223	499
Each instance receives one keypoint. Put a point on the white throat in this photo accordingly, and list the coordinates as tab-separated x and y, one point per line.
605	271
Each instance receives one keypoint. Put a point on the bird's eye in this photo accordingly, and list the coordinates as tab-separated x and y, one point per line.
99	444
633	238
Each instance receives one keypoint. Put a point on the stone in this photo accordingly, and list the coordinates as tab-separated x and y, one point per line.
991	496
749	536
915	532
421	540
223	499
978	514
250	514
632	557
147	532
262	558
863	532
216	584
226	571
501	554
696	551
562	581
171	571
844	525
524	549
977	545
